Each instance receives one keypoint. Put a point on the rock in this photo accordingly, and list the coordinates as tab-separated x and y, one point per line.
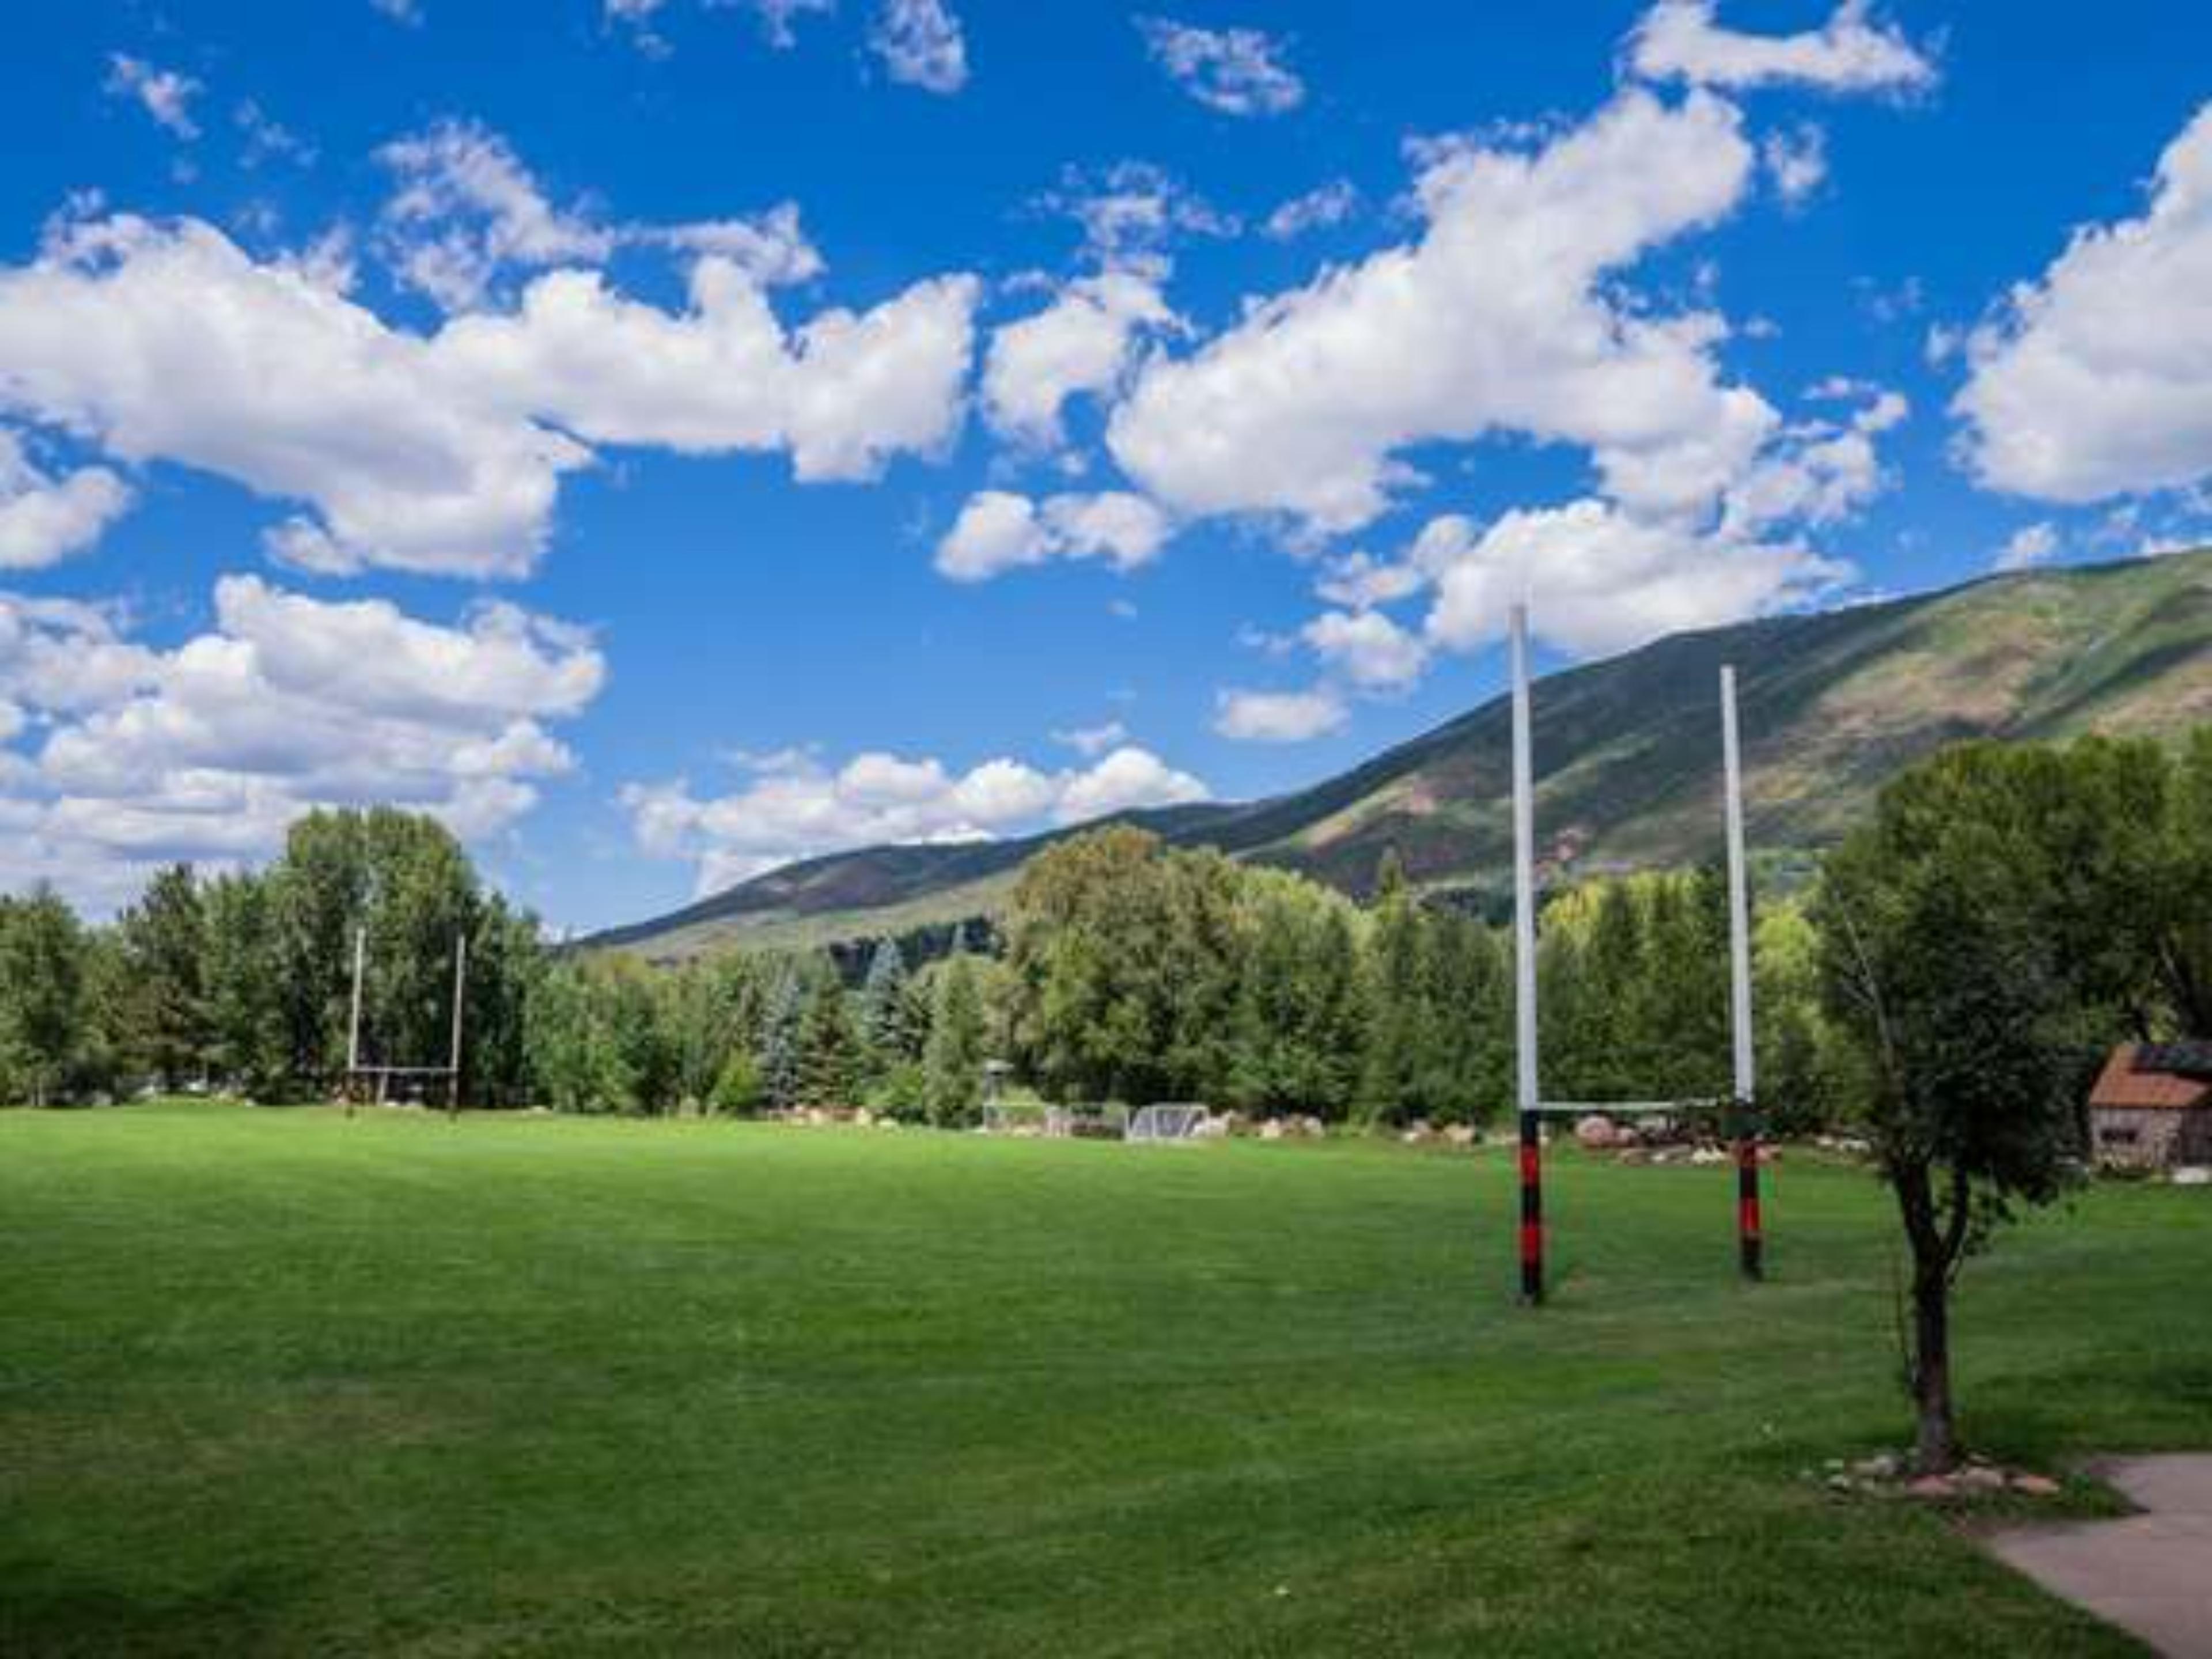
864	1117
1883	1466
1460	1135
1596	1132
1271	1129
2192	1174
1933	1486
2035	1486
1841	1483
1708	1156
1417	1131
1981	1478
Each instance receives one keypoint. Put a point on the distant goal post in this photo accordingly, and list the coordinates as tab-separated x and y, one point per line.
1170	1122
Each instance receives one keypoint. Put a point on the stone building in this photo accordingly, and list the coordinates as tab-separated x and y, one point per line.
2152	1107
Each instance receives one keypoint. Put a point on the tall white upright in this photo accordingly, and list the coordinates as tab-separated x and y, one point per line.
1525	875
460	1002
1747	1080
353	1023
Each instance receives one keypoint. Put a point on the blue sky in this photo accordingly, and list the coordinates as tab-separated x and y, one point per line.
665	439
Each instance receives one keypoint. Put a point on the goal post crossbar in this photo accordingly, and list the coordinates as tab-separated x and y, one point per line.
1631	1108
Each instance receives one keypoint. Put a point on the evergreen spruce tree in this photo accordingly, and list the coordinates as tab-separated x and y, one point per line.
164	946
830	1054
779	1039
953	1068
883	1009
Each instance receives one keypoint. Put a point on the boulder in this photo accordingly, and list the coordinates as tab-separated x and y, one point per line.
1460	1135
2035	1486
2192	1174
1271	1129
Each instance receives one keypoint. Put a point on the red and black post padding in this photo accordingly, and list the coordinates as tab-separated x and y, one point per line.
1532	1209
1751	1242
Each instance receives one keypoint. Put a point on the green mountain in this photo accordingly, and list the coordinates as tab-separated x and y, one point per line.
1627	754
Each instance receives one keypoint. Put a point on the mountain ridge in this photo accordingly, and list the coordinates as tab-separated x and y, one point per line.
1627	753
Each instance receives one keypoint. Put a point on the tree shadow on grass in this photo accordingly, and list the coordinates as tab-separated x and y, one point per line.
48	1611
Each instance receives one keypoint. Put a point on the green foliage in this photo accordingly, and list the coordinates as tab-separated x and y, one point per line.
953	1067
164	946
887	1023
902	1092
739	1091
1961	954
830	1058
44	960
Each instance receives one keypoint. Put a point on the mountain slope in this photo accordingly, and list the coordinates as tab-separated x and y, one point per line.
1627	753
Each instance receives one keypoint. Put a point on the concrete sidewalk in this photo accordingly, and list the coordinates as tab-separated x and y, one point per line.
2150	1574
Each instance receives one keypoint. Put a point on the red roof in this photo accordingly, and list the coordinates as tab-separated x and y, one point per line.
2128	1087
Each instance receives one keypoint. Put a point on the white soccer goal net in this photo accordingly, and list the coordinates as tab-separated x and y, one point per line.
1172	1122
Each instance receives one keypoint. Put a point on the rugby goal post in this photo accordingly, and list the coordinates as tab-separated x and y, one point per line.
361	1074
1533	1108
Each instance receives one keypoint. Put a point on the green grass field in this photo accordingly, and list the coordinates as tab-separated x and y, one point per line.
272	1382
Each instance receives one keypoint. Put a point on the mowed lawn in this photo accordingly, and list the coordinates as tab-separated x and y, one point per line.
274	1382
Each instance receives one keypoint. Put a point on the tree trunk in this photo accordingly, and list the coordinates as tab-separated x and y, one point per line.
1936	1441
1936	1447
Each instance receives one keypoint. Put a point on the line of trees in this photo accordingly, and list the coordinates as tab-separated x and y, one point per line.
244	979
243	982
744	1033
1137	971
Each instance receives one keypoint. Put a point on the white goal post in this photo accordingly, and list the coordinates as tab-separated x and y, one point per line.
1173	1121
1531	1106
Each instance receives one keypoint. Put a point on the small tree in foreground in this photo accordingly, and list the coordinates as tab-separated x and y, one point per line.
1939	968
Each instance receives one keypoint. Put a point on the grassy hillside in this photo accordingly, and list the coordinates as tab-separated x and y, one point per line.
1628	752
276	1382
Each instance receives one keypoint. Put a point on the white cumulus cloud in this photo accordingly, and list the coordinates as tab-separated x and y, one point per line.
2027	547
1853	52
44	519
1237	71
796	808
164	94
1083	342
999	531
1279	716
2091	381
208	750
1502	318
444	453
921	44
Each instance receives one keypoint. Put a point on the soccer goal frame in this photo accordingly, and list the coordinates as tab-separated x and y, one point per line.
1167	1123
1533	1108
